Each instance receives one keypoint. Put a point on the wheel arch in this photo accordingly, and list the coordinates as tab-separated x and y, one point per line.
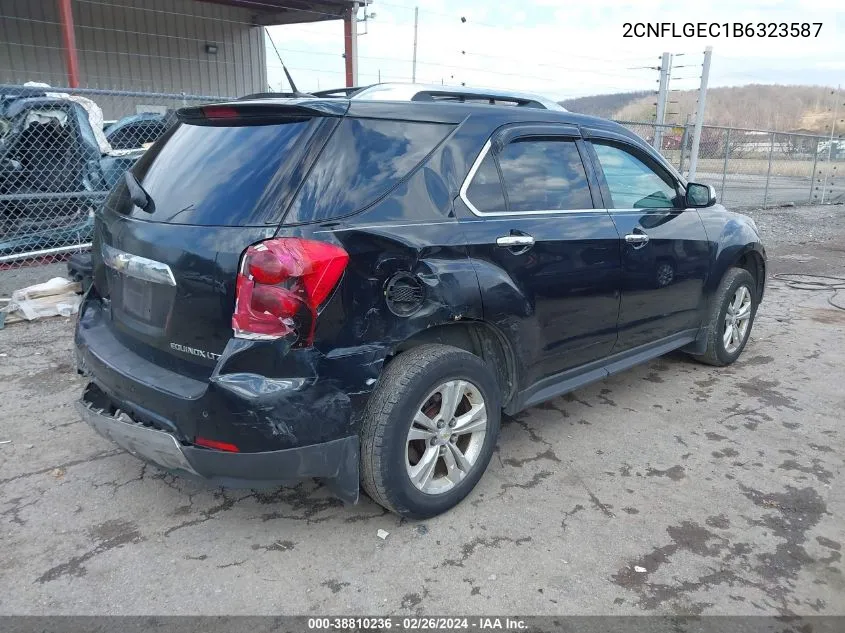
476	337
747	257
752	261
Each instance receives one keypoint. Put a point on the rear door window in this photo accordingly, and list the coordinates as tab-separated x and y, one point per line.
537	174
364	159
544	175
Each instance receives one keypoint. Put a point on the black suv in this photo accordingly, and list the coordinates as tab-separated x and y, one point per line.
356	288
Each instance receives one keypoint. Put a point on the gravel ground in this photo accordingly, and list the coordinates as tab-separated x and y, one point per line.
673	488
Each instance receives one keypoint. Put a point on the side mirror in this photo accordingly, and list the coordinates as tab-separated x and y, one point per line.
699	195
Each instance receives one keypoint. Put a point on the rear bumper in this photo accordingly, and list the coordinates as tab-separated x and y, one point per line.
335	461
294	398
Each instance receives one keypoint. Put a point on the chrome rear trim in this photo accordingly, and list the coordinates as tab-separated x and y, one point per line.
137	266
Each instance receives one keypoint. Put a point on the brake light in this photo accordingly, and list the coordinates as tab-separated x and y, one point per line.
220	446
219	112
281	285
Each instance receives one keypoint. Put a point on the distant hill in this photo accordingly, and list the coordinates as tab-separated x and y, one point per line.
604	105
770	107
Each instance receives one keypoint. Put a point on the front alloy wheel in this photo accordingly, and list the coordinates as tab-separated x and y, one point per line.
730	319
737	320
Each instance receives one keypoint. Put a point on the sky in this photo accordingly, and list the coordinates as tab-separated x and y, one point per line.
563	48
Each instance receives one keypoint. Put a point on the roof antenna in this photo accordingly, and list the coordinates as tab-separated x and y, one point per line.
296	92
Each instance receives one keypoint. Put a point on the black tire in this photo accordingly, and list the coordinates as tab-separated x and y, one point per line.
399	394
715	352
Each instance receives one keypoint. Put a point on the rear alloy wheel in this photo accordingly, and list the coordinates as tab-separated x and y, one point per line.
446	437
429	430
731	318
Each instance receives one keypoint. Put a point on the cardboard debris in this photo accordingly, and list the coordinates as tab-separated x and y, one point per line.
56	297
56	286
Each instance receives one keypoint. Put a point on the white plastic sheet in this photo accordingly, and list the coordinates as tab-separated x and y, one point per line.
56	297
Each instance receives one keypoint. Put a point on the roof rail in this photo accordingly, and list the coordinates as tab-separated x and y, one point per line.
463	97
462	94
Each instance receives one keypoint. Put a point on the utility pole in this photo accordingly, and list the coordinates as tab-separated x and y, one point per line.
699	114
830	142
350	42
662	98
414	63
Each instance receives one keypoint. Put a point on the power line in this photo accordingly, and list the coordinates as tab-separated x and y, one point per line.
459	67
545	65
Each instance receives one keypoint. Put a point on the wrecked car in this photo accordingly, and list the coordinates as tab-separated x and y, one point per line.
138	130
355	289
55	168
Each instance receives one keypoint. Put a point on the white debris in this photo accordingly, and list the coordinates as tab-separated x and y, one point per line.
56	286
491	577
6	442
382	534
640	570
58	296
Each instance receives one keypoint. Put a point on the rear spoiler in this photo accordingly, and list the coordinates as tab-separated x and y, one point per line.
262	111
343	93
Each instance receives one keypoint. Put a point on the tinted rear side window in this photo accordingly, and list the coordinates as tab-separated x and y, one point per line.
544	175
364	159
485	191
217	176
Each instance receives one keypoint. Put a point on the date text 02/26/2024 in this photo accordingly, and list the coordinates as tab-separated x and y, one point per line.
430	624
722	29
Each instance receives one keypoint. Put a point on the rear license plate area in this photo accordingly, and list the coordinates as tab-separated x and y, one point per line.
138	298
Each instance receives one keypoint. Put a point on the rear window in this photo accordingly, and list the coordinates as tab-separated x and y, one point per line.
219	176
364	159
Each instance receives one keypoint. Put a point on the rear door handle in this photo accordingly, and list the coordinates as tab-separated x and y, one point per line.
638	240
509	241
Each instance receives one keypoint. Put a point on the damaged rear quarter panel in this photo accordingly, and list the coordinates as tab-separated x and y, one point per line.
295	397
412	232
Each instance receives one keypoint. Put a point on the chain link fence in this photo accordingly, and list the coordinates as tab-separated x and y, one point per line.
59	157
755	168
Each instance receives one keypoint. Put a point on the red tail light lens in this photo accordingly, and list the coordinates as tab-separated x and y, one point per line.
281	285
219	446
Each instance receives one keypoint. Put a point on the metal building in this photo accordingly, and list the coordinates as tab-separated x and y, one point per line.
199	47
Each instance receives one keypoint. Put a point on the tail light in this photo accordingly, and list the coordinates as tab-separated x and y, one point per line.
281	285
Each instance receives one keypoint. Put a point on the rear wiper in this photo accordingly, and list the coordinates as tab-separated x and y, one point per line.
137	194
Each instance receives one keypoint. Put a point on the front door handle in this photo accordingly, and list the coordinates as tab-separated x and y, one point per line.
509	241
637	240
